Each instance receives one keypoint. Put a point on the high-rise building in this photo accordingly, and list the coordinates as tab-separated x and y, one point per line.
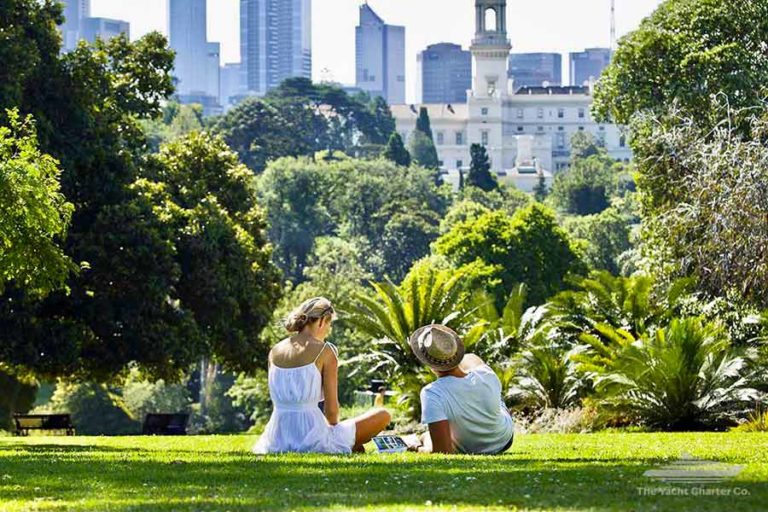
380	55
103	28
536	69
275	42
231	84
445	74
187	29
75	11
588	65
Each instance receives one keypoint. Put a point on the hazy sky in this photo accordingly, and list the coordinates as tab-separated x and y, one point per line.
543	25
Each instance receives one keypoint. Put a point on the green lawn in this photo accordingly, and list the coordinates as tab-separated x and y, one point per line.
565	472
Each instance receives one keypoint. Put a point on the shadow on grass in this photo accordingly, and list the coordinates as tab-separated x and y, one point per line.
122	479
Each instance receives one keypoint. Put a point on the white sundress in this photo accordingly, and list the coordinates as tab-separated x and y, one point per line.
297	424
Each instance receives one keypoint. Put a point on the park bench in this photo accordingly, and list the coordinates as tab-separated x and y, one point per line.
27	422
165	424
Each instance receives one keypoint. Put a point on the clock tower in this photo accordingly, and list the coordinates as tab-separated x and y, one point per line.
490	49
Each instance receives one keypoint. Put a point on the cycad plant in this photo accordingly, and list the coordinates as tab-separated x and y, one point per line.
546	378
626	303
683	376
391	314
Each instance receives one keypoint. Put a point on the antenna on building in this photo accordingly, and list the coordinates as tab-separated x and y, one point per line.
613	26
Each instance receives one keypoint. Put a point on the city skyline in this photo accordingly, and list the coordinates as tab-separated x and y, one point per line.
575	26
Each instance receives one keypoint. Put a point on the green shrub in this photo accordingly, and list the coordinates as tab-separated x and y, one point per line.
684	376
142	397
94	408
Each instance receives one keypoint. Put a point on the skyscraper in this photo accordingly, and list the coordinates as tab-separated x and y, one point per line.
445	74
588	64
193	68
275	42
103	28
75	11
380	54
534	69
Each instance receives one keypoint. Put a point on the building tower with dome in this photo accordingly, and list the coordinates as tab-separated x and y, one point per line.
526	131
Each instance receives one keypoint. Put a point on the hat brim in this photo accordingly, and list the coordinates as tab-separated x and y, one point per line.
422	356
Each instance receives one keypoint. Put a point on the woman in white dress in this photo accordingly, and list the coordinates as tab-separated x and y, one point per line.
303	371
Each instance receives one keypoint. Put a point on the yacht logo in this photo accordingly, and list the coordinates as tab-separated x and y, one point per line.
690	470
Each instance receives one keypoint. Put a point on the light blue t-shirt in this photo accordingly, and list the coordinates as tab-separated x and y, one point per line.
479	421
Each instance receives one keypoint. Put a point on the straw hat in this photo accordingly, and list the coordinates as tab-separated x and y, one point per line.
437	346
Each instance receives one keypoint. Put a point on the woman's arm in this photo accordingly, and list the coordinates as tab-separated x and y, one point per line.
331	387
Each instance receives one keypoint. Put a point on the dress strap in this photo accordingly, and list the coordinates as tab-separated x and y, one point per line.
329	345
321	352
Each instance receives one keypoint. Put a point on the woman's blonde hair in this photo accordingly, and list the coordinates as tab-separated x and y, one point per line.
309	311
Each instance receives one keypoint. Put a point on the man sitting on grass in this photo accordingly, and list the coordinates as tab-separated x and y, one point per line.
463	407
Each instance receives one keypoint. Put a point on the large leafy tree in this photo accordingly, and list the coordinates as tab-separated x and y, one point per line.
396	211
587	186
528	247
300	118
124	305
692	53
33	212
227	280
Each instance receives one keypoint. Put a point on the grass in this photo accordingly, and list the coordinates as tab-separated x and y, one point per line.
564	472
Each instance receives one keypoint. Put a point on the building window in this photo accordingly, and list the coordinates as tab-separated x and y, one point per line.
520	128
561	140
581	113
560	113
440	163
459	138
581	128
440	138
484	111
520	113
623	141
540	128
484	138
459	164
560	128
540	113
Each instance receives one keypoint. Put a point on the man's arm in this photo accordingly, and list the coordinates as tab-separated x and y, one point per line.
440	435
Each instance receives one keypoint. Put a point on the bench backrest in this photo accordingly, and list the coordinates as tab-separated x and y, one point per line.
166	423
43	421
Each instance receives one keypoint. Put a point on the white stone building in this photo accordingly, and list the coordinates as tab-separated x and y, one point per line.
529	129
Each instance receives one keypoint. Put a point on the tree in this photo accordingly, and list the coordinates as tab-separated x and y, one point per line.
227	280
407	236
541	191
607	236
586	187
693	54
423	150
712	227
480	170
528	247
396	151
33	212
584	145
423	124
352	198
125	305
260	132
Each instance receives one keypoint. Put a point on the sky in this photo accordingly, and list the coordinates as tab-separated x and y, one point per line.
543	25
